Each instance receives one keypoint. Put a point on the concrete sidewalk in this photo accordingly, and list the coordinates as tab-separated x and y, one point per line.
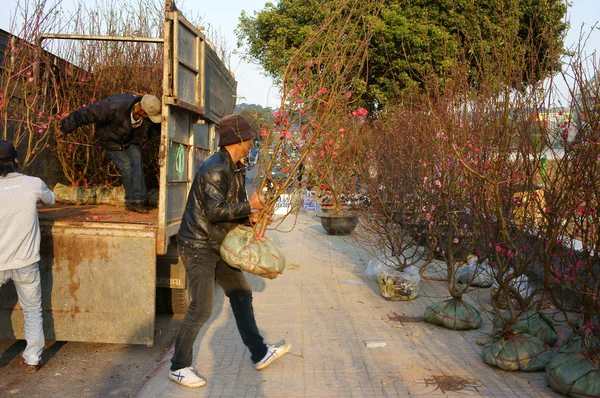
324	305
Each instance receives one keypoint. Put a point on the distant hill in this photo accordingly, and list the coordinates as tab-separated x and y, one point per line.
257	116
252	107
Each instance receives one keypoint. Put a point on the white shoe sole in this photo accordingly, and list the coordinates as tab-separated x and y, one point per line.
280	353
201	383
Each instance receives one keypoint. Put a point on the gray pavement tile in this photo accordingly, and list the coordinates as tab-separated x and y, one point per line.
325	306
343	384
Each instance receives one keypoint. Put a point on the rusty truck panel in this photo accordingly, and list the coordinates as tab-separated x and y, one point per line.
98	284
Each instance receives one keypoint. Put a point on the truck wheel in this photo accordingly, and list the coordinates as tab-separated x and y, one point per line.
180	301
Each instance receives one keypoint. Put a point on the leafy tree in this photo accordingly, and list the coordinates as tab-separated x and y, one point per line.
413	38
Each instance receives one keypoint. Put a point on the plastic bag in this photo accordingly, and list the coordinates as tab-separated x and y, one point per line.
517	352
479	275
259	256
399	285
574	374
453	314
376	265
74	195
520	284
532	323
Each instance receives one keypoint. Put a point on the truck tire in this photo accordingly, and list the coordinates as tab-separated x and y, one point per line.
171	301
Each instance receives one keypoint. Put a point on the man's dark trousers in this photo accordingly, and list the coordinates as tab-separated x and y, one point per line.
203	267
129	164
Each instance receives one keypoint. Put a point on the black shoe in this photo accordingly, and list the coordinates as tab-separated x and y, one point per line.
136	207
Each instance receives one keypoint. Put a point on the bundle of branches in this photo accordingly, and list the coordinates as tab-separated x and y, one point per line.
390	228
309	131
572	238
98	70
445	193
29	112
504	165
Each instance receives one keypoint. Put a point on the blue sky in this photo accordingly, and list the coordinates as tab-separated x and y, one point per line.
253	86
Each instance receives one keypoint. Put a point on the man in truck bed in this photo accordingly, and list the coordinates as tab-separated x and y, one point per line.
20	246
121	121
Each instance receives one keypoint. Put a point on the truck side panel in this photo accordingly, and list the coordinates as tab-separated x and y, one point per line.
98	284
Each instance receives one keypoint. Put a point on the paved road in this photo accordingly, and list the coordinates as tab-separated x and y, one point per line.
327	308
85	369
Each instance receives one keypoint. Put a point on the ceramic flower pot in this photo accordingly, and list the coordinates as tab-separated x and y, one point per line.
338	223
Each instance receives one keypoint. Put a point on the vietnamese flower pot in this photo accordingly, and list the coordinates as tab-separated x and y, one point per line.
338	223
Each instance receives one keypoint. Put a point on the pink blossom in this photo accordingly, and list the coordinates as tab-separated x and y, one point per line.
323	90
455	240
438	183
360	112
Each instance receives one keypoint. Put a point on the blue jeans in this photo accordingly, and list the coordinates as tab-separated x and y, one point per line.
130	166
202	269
29	291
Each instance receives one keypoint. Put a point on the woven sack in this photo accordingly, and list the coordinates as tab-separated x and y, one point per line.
110	196
517	352
574	374
453	314
259	256
74	195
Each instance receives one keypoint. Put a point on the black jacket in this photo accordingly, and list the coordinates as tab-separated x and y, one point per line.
112	117
216	203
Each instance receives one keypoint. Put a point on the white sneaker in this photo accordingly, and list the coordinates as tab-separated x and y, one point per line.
187	377
274	352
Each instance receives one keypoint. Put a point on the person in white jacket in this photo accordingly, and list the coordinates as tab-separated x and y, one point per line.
20	246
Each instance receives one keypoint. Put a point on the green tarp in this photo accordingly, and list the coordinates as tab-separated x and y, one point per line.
574	374
517	352
259	256
453	314
532	323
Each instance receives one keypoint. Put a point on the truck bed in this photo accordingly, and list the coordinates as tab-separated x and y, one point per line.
98	276
95	214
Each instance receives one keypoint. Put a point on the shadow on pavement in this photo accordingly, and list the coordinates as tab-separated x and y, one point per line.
12	352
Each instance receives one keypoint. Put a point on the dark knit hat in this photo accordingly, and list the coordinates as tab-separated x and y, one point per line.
234	129
7	151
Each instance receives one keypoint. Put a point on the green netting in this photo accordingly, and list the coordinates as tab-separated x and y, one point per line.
74	195
259	256
453	314
532	323
517	352
574	374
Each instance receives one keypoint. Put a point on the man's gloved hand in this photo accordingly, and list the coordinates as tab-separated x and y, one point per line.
64	126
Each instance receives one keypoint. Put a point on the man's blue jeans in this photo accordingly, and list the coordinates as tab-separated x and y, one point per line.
203	268
130	166
29	291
